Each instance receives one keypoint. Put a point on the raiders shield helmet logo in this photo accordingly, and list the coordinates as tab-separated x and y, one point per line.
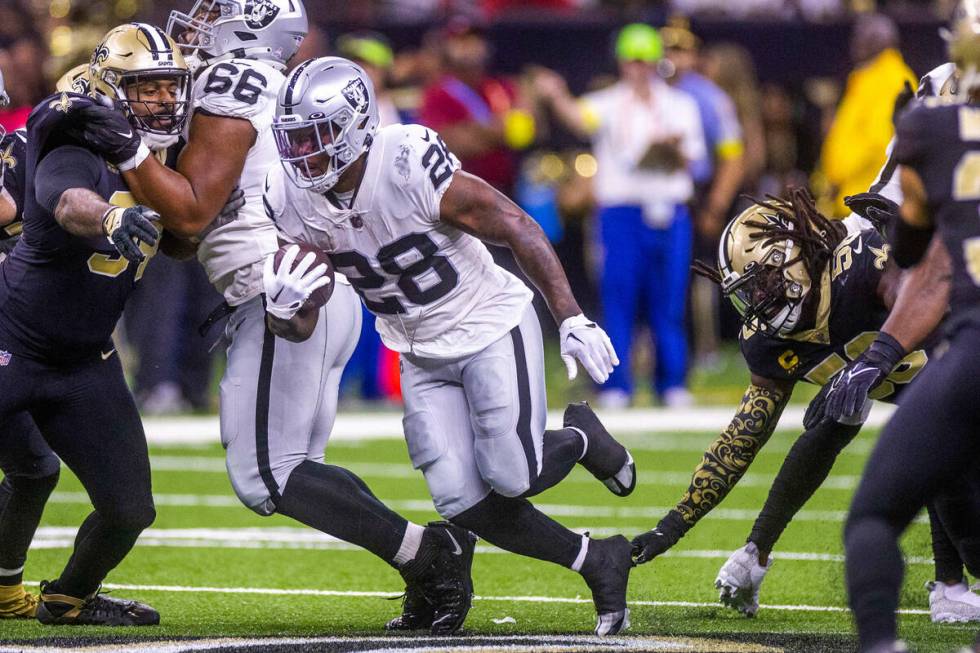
259	14
357	95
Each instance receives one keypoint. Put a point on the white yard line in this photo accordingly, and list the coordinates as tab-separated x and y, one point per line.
381	425
510	599
215	465
61	537
425	505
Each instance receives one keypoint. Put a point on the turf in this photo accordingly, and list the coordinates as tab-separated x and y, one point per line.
285	557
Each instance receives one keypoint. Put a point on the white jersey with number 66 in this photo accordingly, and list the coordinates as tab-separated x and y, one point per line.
232	253
435	289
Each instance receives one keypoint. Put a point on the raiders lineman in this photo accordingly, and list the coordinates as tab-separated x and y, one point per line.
279	391
397	215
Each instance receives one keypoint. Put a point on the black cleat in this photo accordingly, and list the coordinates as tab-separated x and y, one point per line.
607	571
606	459
94	610
439	576
417	613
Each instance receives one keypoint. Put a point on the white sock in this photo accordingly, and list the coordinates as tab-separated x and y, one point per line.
585	440
580	558
410	544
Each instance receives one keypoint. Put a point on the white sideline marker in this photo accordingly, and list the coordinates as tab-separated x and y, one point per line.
388	424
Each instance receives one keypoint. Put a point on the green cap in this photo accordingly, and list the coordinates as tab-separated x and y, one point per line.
366	47
639	42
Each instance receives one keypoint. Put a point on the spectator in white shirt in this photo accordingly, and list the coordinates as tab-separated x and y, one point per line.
645	134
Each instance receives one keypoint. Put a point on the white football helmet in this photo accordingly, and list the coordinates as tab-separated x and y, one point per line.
213	30
326	118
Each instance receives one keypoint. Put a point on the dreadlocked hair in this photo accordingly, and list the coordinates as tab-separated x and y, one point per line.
814	234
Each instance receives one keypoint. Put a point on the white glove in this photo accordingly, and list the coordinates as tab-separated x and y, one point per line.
582	339
286	291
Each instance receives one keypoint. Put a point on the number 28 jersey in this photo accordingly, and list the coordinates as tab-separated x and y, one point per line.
435	289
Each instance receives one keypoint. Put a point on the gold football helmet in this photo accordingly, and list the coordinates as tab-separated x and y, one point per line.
139	70
963	44
770	257
74	81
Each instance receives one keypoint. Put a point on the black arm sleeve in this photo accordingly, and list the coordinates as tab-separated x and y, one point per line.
65	167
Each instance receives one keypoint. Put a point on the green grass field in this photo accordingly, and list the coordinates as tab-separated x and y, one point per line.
213	568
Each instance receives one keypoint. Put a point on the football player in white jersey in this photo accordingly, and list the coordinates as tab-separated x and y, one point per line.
279	391
404	223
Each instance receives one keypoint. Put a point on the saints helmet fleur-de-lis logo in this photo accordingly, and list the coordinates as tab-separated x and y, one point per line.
62	104
101	54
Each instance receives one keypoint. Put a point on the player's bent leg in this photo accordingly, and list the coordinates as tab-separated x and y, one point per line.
604	457
517	526
89	419
31	473
806	467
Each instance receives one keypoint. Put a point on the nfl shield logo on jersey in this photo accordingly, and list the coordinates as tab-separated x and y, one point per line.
259	14
5	357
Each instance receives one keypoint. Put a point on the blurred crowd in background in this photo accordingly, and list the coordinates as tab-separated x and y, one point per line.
631	146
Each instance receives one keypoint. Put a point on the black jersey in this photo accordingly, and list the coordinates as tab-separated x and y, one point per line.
61	295
848	319
941	142
13	149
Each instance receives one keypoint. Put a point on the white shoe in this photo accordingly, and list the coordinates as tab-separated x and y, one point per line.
950	604
678	398
739	580
613	399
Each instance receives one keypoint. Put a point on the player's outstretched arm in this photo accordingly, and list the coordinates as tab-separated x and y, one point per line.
922	298
474	206
723	465
209	166
208	169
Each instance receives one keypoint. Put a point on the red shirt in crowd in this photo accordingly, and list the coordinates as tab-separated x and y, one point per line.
449	102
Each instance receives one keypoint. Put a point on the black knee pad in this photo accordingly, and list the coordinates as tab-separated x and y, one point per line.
37	485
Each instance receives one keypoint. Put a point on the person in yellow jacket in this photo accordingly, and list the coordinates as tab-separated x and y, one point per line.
854	149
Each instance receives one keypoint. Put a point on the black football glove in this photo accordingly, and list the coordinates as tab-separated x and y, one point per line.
127	228
876	208
865	373
653	543
106	132
817	410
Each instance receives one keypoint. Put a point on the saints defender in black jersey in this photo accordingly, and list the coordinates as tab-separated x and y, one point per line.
83	248
932	437
814	294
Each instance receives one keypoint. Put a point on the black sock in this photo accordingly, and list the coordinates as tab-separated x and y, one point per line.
805	468
517	526
874	568
949	566
561	451
335	501
22	502
100	545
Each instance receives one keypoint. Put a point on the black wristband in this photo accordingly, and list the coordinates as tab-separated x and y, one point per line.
887	350
673	526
